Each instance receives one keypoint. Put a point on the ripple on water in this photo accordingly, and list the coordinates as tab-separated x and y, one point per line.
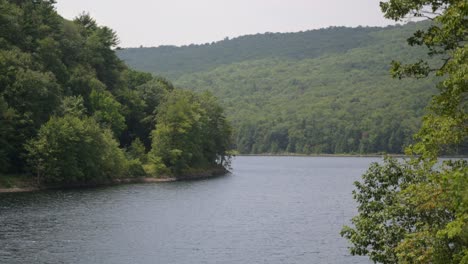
270	210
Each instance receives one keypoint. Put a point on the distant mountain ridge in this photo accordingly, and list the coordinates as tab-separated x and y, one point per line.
172	61
318	91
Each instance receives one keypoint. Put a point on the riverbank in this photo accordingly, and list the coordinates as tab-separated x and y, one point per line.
22	183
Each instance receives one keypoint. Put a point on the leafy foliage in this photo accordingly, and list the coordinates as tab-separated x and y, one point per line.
71	150
68	105
430	210
440	231
107	111
191	132
382	221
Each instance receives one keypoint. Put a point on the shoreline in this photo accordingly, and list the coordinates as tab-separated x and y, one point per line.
341	155
324	155
210	173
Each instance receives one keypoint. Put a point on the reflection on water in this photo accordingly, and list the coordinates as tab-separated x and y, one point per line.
269	210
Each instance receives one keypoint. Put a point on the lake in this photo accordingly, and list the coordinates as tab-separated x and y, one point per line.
268	210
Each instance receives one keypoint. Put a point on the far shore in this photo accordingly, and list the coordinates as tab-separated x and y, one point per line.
376	155
28	186
211	173
323	155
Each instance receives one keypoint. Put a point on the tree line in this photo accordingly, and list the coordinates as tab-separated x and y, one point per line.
71	111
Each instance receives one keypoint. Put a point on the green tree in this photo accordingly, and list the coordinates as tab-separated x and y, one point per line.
216	132
107	111
191	132
70	150
383	221
177	137
72	105
140	104
34	95
429	213
8	118
137	150
98	52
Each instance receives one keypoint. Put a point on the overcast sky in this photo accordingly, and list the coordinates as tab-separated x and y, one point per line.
182	22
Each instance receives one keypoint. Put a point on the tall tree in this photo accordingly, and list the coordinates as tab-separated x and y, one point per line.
191	132
424	220
70	150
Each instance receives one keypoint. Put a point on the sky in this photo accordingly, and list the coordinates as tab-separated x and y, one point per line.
152	23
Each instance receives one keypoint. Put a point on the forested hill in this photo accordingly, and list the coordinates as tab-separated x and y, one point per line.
319	91
174	61
71	112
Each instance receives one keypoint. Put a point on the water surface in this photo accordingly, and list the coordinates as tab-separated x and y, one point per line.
269	210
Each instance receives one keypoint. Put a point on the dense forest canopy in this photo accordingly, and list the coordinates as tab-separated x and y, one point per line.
72	111
318	91
174	61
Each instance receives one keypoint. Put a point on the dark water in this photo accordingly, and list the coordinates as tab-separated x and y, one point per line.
269	210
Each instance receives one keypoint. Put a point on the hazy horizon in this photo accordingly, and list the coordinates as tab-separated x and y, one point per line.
178	22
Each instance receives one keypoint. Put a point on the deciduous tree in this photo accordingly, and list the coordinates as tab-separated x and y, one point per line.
430	211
